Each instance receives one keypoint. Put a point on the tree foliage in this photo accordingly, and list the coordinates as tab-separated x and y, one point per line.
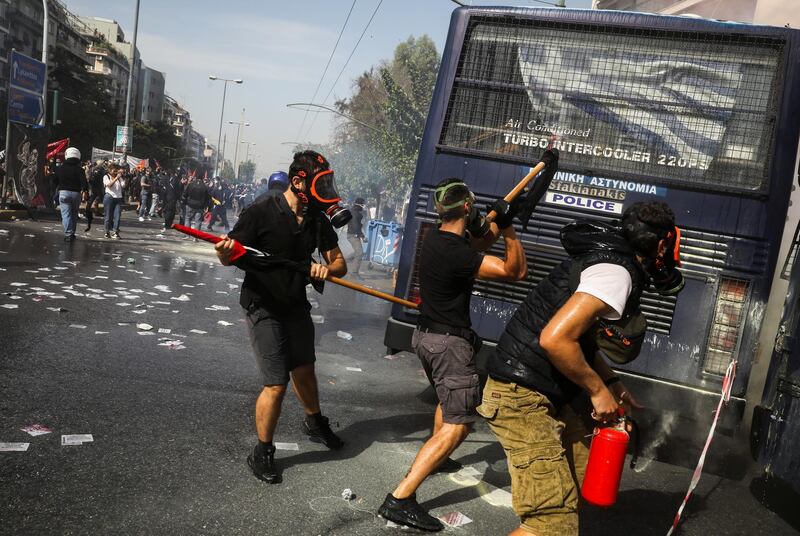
247	171
86	113
158	141
376	155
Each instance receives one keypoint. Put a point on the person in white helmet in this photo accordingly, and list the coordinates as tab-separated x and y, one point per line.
71	183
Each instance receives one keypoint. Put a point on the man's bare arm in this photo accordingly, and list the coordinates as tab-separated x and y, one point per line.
560	339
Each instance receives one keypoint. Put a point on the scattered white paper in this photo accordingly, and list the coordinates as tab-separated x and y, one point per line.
318	319
218	308
36	429
344	335
124	304
57	309
455	519
354	369
144	327
182	297
76	439
10	306
101	333
286	446
162	288
198	331
224	323
14	447
77	326
165	330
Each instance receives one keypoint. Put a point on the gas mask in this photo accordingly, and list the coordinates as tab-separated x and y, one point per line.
661	267
321	194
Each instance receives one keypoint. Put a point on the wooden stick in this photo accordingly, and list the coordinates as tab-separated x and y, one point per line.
371	292
513	194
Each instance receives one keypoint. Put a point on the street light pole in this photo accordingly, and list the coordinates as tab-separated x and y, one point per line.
130	71
247	153
45	32
221	116
239	125
335	111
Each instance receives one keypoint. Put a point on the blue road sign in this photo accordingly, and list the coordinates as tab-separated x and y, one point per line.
27	73
24	107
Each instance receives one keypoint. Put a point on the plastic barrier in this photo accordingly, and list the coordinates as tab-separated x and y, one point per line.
384	243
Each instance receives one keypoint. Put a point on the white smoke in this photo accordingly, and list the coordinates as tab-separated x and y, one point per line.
648	452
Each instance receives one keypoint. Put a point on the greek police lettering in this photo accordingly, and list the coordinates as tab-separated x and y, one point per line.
576	201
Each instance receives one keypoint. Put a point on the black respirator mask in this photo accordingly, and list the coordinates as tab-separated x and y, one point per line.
662	269
321	194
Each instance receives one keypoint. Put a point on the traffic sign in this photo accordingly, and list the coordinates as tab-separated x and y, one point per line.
24	107
27	73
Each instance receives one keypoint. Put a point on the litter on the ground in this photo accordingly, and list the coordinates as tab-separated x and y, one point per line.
218	308
393	525
10	306
392	357
101	333
318	319
76	439
36	429
224	323
162	288
182	297
165	330
198	331
286	446
77	326
144	327
14	447
344	335
455	519
348	495
354	369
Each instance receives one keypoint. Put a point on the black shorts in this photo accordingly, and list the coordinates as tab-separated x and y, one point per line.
281	343
449	364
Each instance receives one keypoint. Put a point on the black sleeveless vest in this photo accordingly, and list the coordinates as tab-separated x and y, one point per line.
519	358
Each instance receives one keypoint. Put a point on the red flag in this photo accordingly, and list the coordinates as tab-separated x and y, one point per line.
57	148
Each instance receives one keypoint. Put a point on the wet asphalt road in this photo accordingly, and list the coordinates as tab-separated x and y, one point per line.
170	412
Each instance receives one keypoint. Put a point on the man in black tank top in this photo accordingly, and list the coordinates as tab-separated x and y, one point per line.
443	340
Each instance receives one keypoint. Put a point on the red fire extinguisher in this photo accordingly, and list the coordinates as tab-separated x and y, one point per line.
606	458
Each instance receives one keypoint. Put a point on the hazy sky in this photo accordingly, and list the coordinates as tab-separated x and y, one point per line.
279	48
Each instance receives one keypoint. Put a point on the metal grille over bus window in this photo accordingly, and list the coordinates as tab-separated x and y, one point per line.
726	328
688	109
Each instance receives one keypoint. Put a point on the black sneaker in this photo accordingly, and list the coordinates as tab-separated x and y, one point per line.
115	236
108	235
264	467
319	430
409	513
89	228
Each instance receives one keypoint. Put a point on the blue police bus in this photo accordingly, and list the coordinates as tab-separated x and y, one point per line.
698	113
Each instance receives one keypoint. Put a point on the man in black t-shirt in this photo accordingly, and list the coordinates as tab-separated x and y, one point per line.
278	314
443	340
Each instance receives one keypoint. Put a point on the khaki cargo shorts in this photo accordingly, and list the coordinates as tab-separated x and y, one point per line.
546	453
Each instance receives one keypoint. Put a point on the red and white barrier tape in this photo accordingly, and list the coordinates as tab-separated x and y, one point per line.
727	384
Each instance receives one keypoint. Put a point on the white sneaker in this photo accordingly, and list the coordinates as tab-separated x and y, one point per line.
141	219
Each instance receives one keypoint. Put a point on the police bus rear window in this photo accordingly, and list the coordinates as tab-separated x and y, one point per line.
687	109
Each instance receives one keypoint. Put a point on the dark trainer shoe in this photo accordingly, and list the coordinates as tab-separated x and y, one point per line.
319	430
407	512
264	467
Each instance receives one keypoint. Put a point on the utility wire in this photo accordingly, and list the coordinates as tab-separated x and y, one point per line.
325	71
369	22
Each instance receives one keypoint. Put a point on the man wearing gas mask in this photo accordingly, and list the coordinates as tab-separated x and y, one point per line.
443	340
549	372
288	226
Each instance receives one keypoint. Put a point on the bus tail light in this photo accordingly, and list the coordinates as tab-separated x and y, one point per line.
726	327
